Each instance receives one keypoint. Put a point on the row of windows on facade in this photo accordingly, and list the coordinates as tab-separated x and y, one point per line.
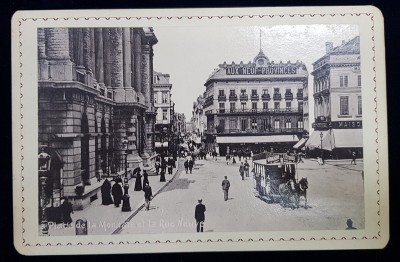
265	124
164	98
232	92
344	105
265	105
343	82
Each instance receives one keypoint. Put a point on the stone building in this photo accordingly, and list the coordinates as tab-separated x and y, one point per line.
337	101
198	119
255	106
95	94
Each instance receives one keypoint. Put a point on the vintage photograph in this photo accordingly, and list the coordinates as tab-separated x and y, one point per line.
151	131
160	130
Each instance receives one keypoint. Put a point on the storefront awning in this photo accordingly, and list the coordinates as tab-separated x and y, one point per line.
315	140
299	144
335	138
256	139
159	144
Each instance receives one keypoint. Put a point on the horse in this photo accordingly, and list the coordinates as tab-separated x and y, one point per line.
300	190
286	191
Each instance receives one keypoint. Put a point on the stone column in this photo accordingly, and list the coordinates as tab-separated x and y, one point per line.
116	56
130	94
137	49
87	56
43	63
107	57
92	61
57	49
99	66
146	88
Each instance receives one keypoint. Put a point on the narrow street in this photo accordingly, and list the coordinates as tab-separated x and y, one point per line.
335	194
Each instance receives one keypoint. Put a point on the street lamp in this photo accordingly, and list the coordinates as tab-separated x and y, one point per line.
126	206
125	146
44	163
321	135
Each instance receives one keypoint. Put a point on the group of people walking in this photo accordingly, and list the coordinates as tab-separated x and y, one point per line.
162	164
189	163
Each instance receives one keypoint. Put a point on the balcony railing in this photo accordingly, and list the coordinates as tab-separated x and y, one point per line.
209	101
265	97
261	131
277	96
255	111
221	98
255	97
299	96
233	98
288	96
244	97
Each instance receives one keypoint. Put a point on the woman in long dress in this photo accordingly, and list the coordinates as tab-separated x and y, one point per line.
138	182
106	198
145	178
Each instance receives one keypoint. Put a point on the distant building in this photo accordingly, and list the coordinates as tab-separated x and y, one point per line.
256	106
180	124
338	101
199	120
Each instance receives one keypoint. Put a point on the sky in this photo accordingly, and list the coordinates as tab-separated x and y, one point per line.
190	54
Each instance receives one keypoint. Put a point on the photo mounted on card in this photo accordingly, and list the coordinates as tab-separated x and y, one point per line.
191	130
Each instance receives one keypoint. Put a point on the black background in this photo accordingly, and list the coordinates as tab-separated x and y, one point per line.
390	10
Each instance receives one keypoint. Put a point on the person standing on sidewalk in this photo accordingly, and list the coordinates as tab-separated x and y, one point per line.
186	164
227	158
199	215
171	163
246	168
190	165
148	194
225	187
117	193
241	170
145	178
138	181
353	158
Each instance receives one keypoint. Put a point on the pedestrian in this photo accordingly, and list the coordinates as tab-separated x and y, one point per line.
199	215
158	164
162	176
353	158
241	170
225	187
138	182
66	210
145	178
163	165
148	194
106	198
117	193
186	164
227	158
170	165
246	168
233	160
349	224
190	165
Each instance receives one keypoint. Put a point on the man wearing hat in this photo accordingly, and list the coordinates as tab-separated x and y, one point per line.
199	215
225	187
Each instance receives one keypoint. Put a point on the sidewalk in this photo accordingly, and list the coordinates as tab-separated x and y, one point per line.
104	220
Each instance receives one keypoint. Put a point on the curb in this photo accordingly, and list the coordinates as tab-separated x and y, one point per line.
119	229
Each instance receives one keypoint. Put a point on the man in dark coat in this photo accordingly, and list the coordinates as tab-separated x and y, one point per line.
117	193
162	176
225	187
66	210
246	168
199	215
186	164
241	170
145	178
163	164
106	193
148	194
190	165
171	164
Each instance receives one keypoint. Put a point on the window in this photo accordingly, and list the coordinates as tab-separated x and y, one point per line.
359	106
265	105
222	107
300	107
288	91
221	92
300	124
276	124
254	92
244	125
164	97
276	105
344	105
276	90
288	106
164	114
254	124
254	106
265	125
359	80
288	124
232	92
265	91
155	98
232	124
233	107
243	91
243	105
344	81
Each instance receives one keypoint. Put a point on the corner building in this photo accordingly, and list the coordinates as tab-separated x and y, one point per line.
256	106
95	91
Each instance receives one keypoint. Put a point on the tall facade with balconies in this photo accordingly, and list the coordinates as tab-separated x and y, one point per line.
255	106
95	105
338	101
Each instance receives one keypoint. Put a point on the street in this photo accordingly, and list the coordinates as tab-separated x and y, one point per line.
335	194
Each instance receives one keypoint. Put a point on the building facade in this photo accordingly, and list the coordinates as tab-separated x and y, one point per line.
96	110
255	106
338	101
199	120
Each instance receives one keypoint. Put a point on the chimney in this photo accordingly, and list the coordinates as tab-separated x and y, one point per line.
329	47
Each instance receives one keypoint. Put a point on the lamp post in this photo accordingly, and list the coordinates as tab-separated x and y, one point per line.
126	206
321	135
44	163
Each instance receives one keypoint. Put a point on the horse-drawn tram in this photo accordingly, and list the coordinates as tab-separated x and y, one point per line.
276	181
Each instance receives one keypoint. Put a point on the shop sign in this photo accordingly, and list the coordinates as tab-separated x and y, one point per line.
270	70
321	126
347	124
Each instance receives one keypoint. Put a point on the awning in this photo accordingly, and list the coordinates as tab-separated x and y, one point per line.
300	143
347	138
256	139
158	144
315	140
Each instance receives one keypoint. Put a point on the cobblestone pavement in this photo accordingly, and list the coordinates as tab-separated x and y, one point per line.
335	194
